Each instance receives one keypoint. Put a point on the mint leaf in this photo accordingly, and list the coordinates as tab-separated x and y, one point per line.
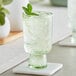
26	10
29	8
34	14
2	18
4	10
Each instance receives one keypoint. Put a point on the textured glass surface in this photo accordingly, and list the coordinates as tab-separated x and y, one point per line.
38	36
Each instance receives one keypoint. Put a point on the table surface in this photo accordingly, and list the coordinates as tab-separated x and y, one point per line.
58	54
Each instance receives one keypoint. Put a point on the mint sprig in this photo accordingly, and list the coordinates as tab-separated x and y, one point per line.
28	10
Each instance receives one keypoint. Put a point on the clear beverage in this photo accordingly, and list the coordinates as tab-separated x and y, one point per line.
38	37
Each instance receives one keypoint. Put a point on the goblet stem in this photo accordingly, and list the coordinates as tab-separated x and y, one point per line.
37	61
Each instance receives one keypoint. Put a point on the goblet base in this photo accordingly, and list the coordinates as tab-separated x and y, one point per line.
40	67
49	70
68	42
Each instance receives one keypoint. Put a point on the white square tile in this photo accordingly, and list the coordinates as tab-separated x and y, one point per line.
51	69
67	42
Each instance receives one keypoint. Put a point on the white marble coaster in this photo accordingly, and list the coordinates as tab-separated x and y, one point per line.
51	69
67	42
